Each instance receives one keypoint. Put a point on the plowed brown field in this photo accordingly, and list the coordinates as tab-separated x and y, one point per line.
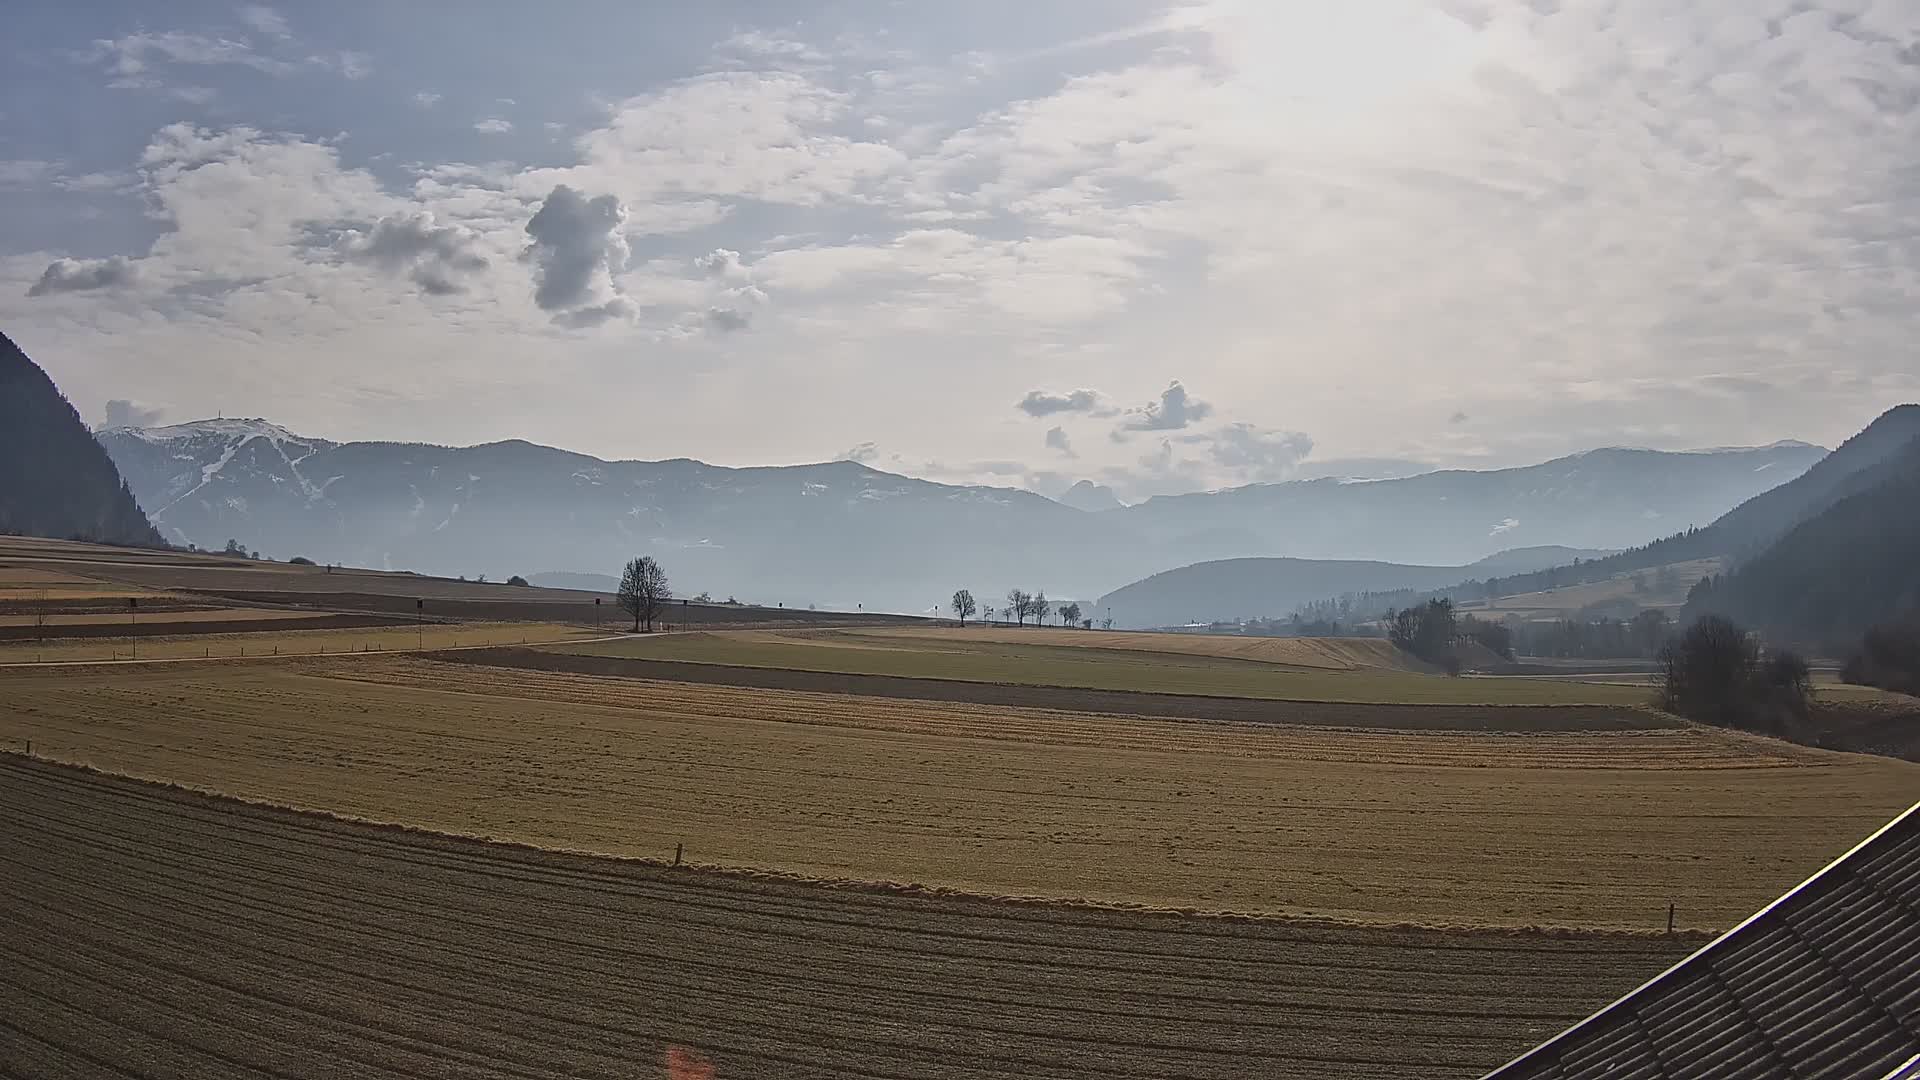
152	933
1570	829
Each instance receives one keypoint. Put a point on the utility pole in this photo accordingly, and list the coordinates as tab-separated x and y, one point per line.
133	622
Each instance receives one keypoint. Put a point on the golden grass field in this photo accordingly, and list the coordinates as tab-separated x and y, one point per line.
154	933
1581	830
280	642
120	618
1308	669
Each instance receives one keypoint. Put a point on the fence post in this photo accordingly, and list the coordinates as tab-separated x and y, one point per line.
1669	918
677	849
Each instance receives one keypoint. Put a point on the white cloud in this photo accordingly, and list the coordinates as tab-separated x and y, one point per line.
425	99
1057	440
85	275
265	20
120	412
27	172
493	125
1175	410
577	246
725	320
1046	402
438	258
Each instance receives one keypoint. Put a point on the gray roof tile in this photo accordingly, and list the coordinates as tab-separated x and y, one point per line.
1822	984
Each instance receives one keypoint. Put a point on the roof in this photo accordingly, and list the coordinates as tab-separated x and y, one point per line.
1822	983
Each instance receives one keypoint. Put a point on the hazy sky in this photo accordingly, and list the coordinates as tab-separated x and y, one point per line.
1164	246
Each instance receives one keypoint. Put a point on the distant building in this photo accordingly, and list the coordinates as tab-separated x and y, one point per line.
1822	983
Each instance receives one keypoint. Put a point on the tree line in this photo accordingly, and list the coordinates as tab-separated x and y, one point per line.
1021	606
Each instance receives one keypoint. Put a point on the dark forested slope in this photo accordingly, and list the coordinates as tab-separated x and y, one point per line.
55	480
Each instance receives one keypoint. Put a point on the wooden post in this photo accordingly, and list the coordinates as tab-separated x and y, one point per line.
1669	918
677	848
29	747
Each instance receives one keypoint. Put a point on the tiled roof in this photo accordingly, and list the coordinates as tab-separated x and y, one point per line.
1822	983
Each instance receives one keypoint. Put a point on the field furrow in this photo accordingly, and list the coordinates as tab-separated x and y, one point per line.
157	932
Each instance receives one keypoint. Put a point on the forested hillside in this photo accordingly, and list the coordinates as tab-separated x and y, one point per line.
1852	566
55	480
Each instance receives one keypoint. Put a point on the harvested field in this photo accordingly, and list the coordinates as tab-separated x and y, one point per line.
1574	829
337	634
120	572
1403	717
1314	654
937	654
324	948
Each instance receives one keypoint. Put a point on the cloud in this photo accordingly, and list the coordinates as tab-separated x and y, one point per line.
439	258
1057	440
131	56
720	263
85	275
425	99
582	318
576	245
1039	403
1258	454
265	20
866	453
1173	412
26	172
727	320
121	412
493	125
353	65
1457	418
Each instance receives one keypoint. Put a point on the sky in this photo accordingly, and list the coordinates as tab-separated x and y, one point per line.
1161	246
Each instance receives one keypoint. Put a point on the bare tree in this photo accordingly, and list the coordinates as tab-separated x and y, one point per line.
963	605
643	591
1041	608
1019	605
1070	614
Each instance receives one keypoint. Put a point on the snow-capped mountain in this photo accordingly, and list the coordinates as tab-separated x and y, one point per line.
841	532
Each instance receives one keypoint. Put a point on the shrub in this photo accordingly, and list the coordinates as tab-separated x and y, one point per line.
1888	657
300	560
516	580
1714	673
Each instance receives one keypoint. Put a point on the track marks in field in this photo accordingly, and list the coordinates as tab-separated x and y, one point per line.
1569	829
320	947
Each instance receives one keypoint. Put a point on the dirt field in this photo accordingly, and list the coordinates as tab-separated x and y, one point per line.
120	572
326	949
1007	657
1515	829
346	633
1531	718
1313	654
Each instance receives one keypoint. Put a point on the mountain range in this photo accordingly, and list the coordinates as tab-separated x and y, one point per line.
1817	558
843	534
54	479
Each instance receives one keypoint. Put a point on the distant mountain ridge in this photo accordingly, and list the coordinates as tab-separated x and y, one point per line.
55	480
1225	590
844	534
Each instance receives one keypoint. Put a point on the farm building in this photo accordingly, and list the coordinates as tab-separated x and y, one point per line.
1822	983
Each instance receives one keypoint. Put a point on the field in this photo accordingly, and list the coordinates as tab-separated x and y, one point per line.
908	851
261	638
1316	670
115	573
1641	588
325	948
1578	829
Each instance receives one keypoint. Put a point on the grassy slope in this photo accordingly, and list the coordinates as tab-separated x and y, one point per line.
935	656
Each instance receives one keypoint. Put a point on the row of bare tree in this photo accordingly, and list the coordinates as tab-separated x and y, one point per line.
1021	606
